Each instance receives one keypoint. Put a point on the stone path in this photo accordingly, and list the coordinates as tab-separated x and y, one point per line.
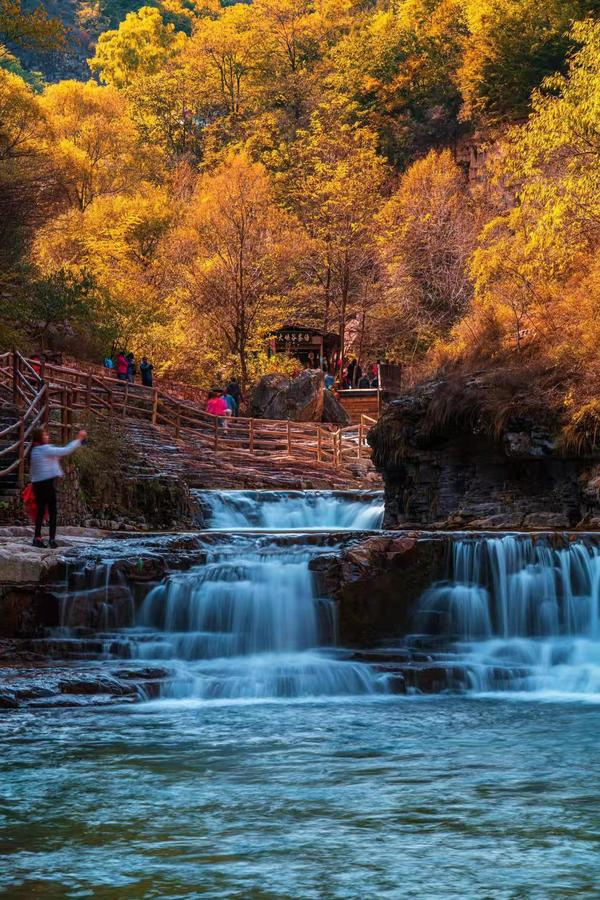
202	468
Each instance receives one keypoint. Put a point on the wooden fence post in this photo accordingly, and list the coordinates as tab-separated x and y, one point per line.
154	405
216	432
251	435
15	378
64	416
21	452
360	436
46	402
125	399
88	394
70	410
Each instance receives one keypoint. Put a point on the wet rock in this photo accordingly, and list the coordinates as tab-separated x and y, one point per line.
546	520
8	700
377	583
146	673
27	611
34	692
101	684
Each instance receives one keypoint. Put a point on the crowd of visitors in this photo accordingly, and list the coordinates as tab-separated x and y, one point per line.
354	377
127	369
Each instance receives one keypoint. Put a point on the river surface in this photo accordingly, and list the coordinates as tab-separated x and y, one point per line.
411	797
274	766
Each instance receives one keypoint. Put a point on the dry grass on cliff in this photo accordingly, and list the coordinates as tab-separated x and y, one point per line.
104	466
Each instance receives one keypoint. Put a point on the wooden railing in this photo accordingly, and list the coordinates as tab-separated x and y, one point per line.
164	383
28	394
62	398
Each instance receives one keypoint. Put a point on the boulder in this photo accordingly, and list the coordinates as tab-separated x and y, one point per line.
333	411
299	399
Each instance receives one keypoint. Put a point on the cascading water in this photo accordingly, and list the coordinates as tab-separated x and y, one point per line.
290	510
248	623
520	614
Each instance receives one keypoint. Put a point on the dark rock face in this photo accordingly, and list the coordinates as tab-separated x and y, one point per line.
378	582
454	471
333	411
26	611
299	399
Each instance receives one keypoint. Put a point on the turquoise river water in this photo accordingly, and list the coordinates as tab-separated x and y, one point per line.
274	767
405	797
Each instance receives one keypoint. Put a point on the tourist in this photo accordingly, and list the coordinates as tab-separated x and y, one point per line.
131	368
108	363
122	366
217	406
45	469
345	381
354	373
36	364
230	401
234	390
146	369
329	380
364	382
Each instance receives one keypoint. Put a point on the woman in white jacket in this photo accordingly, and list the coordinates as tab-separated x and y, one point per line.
45	469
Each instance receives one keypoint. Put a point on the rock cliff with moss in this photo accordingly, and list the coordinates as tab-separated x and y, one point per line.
485	450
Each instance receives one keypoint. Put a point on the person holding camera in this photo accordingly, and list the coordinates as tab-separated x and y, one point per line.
45	468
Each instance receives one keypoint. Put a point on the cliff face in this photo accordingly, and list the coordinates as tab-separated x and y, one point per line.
450	460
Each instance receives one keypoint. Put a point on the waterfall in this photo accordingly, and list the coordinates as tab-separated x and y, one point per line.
249	625
293	510
520	614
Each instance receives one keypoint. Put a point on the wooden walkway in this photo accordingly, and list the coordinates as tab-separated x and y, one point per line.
63	398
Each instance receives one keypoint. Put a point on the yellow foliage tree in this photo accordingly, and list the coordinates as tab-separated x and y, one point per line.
143	44
92	141
231	258
427	234
336	183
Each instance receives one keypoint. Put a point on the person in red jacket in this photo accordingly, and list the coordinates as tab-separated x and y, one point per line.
217	406
122	366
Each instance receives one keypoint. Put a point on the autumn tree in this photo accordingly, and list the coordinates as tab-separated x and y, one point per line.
29	193
428	231
512	46
231	257
114	241
29	28
335	183
92	141
142	45
399	67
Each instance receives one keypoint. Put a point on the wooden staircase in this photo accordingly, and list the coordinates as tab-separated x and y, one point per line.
61	398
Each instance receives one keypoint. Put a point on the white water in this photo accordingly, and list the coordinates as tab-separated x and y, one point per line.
523	615
293	510
248	625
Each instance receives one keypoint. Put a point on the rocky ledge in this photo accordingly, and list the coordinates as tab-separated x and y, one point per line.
462	454
378	581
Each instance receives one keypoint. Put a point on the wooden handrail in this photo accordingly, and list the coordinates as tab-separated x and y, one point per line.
72	392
